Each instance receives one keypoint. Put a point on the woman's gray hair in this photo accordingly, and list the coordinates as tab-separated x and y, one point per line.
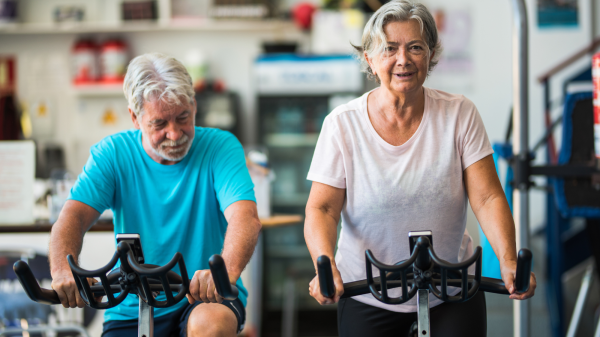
156	76
374	40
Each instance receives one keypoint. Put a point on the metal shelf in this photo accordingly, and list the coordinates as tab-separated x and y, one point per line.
98	90
291	139
298	199
208	25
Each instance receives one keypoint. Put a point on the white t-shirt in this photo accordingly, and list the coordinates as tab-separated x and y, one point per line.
392	190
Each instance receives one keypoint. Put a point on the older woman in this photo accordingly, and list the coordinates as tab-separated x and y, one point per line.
403	158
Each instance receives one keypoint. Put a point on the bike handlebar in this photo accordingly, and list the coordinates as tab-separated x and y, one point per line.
221	278
487	284
49	296
523	270
31	286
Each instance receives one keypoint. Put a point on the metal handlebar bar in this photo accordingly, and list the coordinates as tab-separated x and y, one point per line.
410	278
153	278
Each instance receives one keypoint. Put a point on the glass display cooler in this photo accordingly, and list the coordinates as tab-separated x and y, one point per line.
295	94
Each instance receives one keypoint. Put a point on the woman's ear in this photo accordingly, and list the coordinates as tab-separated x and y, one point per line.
370	62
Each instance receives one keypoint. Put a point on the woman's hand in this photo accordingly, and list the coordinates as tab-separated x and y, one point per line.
314	288
509	271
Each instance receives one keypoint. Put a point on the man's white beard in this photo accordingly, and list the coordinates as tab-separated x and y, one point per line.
173	155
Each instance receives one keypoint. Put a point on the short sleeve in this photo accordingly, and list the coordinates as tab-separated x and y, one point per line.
327	166
475	143
232	180
96	184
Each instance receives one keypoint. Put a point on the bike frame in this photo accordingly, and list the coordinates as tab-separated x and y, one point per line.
133	276
421	274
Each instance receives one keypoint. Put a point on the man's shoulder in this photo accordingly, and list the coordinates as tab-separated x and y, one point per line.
212	138
122	139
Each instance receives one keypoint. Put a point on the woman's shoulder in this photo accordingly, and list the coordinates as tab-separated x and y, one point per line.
351	106
449	100
348	111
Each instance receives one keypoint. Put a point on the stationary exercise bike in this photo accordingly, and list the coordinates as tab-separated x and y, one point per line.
133	276
423	273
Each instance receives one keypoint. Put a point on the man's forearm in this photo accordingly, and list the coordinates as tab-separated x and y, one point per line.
66	237
65	240
240	240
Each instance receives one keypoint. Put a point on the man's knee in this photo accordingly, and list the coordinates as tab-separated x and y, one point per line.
212	319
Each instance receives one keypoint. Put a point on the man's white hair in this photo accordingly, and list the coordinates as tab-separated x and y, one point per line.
156	76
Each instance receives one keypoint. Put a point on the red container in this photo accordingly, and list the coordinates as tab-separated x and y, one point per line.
596	80
113	61
85	67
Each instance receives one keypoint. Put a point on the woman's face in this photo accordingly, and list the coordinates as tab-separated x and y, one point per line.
402	67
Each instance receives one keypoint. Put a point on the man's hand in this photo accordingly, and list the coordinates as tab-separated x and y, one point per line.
66	289
509	271
202	288
315	289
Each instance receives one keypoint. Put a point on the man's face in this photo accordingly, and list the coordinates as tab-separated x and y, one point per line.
167	130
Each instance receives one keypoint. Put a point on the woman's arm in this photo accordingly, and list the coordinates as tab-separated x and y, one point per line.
320	232
493	213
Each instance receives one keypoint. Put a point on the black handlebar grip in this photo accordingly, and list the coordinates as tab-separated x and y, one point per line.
325	276
31	286
523	270
219	274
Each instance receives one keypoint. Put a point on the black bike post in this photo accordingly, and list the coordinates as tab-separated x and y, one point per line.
422	266
146	312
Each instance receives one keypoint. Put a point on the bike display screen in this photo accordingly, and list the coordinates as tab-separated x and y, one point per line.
414	236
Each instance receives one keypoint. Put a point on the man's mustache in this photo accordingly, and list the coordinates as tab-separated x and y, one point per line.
167	142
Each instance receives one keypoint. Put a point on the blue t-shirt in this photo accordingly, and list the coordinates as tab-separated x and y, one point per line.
174	208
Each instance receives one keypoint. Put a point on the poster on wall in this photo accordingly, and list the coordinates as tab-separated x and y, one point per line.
557	13
454	72
17	173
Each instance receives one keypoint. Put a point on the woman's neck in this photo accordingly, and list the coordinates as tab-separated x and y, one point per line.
399	107
395	118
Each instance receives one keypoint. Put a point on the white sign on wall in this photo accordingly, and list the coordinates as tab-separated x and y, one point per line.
308	75
17	173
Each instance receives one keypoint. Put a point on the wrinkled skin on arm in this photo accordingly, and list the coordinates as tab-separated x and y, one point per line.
493	213
66	238
243	227
320	232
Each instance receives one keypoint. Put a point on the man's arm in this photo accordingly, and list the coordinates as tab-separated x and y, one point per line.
243	227
491	209
66	238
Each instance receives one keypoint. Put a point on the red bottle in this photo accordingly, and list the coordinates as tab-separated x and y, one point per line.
113	61
84	62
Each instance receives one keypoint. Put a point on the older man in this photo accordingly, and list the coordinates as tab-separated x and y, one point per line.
182	188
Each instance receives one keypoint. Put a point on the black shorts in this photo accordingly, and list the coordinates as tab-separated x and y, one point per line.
467	319
170	325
